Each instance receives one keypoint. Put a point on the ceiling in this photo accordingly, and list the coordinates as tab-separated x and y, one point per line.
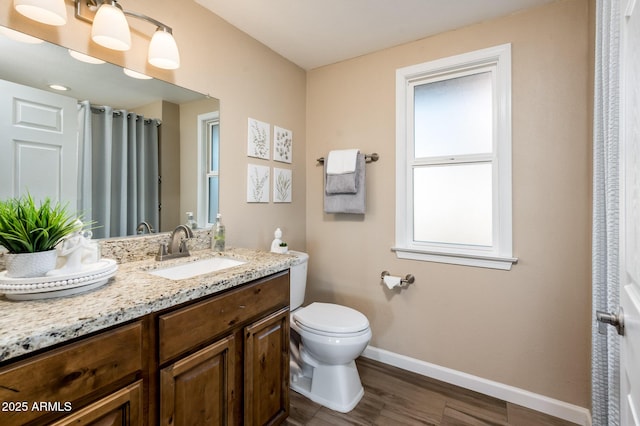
313	33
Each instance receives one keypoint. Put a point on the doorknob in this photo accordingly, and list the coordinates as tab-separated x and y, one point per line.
614	319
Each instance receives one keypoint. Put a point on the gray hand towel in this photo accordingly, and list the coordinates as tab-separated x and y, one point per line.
341	184
353	203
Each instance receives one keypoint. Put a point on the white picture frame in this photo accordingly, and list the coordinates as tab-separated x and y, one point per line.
282	185
257	183
258	139
282	145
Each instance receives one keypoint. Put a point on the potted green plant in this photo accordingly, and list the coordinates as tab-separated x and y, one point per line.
283	247
30	233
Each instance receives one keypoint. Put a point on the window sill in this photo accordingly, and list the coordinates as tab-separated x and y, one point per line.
492	262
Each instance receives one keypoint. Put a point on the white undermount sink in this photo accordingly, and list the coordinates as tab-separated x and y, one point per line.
198	267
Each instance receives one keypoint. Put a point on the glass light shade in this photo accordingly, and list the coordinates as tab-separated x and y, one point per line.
50	12
110	28
163	51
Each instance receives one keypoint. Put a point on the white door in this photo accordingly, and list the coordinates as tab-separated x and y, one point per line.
38	144
630	215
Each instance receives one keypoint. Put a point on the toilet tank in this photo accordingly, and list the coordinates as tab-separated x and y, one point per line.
298	279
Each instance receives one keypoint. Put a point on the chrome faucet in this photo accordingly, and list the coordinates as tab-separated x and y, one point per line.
142	226
177	245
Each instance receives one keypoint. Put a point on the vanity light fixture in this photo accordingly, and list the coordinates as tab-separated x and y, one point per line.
111	30
50	12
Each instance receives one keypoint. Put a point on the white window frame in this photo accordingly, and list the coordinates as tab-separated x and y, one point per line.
205	121
498	256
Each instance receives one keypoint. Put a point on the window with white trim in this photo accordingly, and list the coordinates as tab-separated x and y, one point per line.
208	168
453	160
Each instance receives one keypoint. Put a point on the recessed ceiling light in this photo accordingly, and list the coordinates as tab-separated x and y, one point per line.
59	87
85	58
135	74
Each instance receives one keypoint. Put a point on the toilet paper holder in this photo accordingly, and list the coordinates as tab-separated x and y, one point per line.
409	279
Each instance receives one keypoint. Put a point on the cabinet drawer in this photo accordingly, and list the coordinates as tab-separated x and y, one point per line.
71	372
123	407
196	324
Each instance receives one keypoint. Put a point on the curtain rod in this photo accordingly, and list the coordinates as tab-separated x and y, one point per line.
118	112
369	158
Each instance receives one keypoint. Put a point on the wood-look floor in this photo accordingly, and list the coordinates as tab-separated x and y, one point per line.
398	397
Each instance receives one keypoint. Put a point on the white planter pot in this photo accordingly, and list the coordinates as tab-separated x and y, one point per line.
29	265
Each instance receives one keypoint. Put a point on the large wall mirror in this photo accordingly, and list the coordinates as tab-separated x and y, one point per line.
109	146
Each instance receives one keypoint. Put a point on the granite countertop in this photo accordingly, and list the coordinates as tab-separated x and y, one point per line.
26	326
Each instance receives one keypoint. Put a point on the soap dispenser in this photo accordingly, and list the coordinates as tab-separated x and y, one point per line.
191	223
218	234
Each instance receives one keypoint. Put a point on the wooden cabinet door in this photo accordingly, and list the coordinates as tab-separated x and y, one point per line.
266	370
199	389
121	408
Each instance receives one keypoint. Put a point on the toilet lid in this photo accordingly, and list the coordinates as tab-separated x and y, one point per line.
331	318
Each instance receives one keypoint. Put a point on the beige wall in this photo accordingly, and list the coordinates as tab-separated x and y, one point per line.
529	327
249	79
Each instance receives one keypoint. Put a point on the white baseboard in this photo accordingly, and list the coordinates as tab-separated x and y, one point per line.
553	407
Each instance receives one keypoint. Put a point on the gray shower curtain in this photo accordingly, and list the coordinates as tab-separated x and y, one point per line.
119	170
605	369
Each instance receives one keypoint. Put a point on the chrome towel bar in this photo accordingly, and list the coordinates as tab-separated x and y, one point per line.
369	158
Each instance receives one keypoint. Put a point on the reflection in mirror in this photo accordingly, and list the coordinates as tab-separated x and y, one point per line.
108	145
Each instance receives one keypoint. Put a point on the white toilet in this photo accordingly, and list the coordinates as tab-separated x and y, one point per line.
325	341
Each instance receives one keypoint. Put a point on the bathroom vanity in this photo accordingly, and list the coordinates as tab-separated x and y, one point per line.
146	350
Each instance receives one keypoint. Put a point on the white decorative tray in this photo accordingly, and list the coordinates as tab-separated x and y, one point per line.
92	276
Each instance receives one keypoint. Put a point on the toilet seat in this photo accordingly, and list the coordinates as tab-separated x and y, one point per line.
303	329
329	319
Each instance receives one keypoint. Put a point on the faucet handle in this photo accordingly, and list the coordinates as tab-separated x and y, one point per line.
162	251
183	247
